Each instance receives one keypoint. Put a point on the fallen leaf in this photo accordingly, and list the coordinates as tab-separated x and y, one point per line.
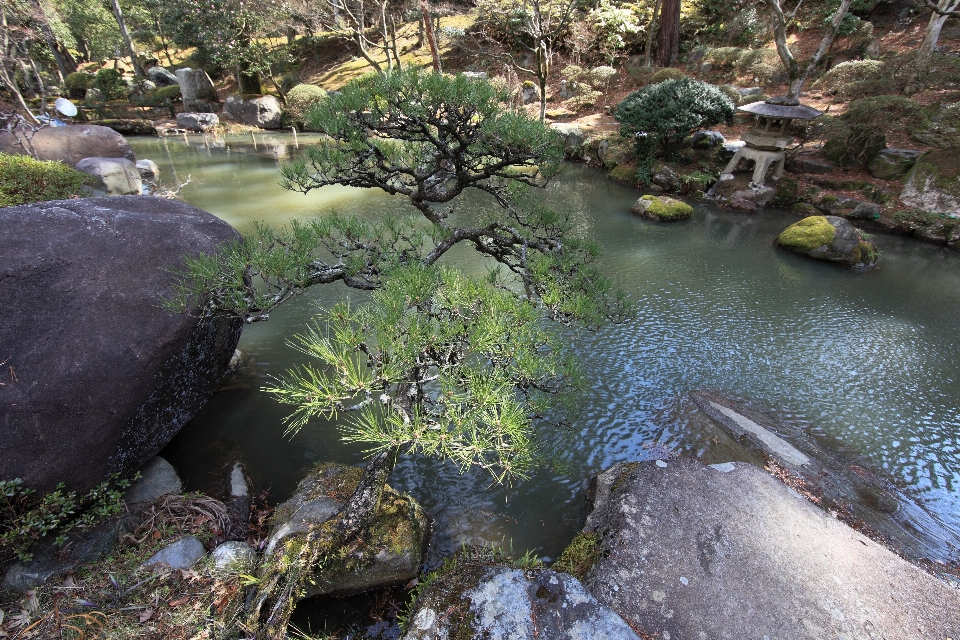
157	535
146	614
179	601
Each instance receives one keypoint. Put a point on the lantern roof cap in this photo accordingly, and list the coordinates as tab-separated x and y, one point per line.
781	107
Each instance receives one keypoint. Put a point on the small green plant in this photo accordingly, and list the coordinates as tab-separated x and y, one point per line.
24	180
580	555
26	517
77	84
111	84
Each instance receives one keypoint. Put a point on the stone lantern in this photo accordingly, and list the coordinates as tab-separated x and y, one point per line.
766	141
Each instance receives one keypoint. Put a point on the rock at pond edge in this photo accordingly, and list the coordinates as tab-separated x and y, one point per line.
105	376
661	208
393	544
830	238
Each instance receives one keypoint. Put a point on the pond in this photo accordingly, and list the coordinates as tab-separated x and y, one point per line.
870	359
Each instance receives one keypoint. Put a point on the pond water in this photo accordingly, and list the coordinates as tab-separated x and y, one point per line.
871	359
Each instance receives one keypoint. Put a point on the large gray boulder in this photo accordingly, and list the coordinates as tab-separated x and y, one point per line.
196	89
933	183
263	112
197	121
112	176
72	144
394	541
685	550
830	238
105	377
233	108
162	77
478	601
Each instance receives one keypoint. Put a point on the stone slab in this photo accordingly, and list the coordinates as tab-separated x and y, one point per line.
690	551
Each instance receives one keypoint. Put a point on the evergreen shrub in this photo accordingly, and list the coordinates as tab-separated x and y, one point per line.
111	84
300	99
24	180
667	73
77	83
659	116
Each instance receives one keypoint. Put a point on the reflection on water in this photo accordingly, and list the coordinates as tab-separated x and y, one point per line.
869	359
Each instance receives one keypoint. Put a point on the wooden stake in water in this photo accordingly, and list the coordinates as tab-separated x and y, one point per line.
187	142
254	138
296	144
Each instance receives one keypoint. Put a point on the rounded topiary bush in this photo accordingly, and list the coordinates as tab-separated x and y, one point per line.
24	180
667	73
300	99
858	135
111	84
659	116
77	83
849	79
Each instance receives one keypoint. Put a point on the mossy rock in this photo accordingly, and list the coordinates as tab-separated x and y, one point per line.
661	208
625	173
934	183
830	238
388	552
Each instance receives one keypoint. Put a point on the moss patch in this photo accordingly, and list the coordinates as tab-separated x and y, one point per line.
24	180
808	234
580	555
625	174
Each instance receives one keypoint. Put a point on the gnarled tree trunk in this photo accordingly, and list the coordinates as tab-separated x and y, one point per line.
269	614
798	76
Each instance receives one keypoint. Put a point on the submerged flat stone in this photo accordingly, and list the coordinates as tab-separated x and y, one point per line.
689	551
770	440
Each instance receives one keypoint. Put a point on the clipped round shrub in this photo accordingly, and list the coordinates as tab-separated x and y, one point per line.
111	84
858	135
851	78
731	93
77	83
667	73
300	99
24	180
659	116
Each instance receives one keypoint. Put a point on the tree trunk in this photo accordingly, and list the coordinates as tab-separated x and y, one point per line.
50	38
431	37
668	36
934	27
651	29
543	71
126	38
269	614
796	86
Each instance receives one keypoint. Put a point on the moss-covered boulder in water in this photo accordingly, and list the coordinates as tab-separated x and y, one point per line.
830	238
934	183
389	552
476	597
661	208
